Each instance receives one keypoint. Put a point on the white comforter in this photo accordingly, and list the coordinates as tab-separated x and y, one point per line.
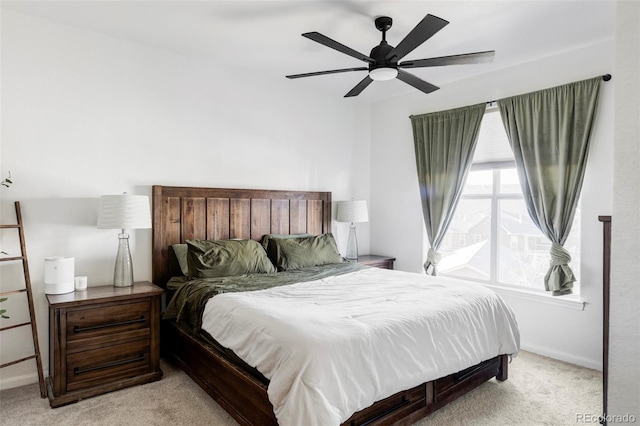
334	346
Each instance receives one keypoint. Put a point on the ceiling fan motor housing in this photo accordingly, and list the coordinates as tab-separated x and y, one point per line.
379	54
382	69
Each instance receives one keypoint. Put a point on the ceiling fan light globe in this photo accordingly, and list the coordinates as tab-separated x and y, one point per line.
383	74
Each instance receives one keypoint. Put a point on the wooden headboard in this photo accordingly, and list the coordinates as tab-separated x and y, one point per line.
183	213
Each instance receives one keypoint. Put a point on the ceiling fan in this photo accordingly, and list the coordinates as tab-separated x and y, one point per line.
383	59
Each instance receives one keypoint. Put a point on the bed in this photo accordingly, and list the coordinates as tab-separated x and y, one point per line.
187	213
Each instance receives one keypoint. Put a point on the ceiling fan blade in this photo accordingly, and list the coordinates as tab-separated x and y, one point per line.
359	87
422	32
322	39
467	58
311	74
416	82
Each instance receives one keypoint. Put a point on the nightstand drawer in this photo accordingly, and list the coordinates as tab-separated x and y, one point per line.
100	366
106	321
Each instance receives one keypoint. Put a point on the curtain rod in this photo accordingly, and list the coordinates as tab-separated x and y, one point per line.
605	77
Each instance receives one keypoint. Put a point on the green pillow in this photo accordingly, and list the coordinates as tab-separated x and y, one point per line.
221	258
180	250
297	253
267	237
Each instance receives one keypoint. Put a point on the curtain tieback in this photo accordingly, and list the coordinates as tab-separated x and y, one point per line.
433	257
559	255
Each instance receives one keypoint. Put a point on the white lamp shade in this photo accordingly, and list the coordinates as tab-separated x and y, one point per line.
124	212
352	211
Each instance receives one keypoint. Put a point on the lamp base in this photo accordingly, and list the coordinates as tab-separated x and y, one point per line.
123	271
352	244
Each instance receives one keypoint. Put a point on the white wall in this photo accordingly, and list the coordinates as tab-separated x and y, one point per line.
85	115
397	214
624	339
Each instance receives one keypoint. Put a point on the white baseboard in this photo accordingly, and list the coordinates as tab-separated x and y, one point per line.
563	356
18	381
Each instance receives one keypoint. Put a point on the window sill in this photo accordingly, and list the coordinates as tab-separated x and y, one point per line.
572	301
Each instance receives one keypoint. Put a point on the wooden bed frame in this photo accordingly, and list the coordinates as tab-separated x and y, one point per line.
182	213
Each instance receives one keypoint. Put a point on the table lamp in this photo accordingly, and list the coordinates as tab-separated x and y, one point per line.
124	212
352	211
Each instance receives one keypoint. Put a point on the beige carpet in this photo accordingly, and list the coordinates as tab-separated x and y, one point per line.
540	391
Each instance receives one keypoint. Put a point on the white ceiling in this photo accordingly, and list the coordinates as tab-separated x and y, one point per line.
265	35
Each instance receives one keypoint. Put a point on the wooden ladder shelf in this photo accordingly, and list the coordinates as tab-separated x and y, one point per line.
32	317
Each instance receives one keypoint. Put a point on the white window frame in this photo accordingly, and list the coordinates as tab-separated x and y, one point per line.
494	198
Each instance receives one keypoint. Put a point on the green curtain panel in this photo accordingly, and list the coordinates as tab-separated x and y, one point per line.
549	133
444	143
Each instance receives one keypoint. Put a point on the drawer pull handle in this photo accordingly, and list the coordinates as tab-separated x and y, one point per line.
78	329
401	404
79	370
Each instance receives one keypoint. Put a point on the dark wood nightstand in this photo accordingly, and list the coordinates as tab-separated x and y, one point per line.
102	339
383	262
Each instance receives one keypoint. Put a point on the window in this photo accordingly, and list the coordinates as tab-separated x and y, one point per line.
491	237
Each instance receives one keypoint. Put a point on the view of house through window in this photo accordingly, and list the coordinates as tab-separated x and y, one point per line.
492	238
